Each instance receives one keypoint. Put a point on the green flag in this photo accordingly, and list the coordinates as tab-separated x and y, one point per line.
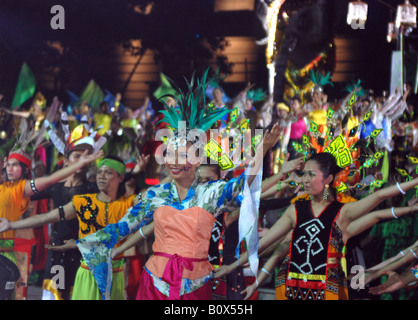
92	94
25	87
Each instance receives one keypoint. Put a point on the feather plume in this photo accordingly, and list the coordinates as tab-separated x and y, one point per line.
191	106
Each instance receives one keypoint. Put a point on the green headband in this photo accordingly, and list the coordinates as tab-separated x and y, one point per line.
114	164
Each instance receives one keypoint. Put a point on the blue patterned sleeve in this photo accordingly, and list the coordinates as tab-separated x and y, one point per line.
96	248
415	271
220	196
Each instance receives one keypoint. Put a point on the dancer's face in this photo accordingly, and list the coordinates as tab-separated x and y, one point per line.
317	96
295	105
13	169
217	95
108	179
313	178
181	163
74	157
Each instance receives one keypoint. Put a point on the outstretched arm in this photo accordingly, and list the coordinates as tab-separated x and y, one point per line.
402	258
133	239
40	219
282	226
363	223
398	256
44	182
354	210
268	269
395	282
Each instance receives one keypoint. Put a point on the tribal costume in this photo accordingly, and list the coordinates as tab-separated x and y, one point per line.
179	267
310	271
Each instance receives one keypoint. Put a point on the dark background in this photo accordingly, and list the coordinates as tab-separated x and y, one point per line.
174	29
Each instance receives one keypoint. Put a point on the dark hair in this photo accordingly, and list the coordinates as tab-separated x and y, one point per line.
213	166
296	98
327	165
121	188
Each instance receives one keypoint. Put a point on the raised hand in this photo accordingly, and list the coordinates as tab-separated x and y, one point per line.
249	291
86	158
292	165
271	137
141	164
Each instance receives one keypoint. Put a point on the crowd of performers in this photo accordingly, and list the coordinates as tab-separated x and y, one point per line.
94	206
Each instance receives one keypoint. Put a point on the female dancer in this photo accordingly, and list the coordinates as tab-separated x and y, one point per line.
183	211
320	228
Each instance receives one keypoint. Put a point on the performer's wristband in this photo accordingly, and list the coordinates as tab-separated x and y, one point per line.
399	188
265	271
393	213
142	234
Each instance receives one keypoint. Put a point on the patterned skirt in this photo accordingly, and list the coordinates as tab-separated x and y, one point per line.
336	285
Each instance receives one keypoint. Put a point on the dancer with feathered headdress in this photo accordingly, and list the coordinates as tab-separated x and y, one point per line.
183	211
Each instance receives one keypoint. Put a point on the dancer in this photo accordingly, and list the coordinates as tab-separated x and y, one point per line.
321	226
15	193
93	211
60	194
183	211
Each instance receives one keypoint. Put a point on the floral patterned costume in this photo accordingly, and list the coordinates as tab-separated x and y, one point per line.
203	203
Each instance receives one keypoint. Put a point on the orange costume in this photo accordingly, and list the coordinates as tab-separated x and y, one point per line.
192	228
12	203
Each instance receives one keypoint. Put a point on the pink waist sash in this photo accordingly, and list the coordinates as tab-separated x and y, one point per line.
173	271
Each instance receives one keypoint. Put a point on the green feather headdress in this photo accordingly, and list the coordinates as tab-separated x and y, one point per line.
256	95
320	80
192	106
356	87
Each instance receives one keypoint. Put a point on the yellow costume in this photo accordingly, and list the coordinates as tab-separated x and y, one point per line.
94	215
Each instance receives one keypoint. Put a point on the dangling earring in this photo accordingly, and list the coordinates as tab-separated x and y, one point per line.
326	192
